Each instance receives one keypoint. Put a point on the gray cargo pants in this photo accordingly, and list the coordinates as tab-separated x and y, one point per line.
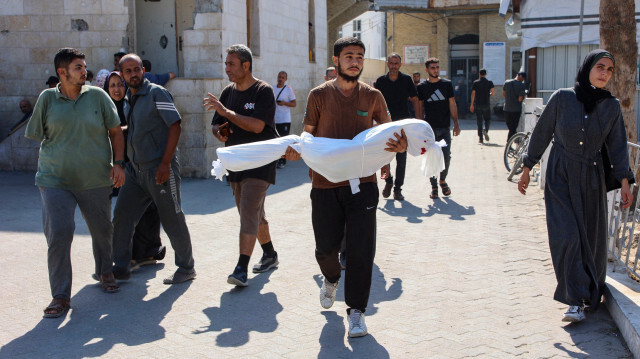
58	210
139	190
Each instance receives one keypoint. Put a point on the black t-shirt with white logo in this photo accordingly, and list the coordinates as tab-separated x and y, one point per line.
435	102
258	102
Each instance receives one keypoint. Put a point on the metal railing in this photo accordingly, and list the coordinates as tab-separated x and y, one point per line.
624	224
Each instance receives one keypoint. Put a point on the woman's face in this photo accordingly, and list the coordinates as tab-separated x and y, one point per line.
601	72
116	88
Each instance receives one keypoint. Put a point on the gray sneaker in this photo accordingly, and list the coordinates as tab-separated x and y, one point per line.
266	262
357	327
328	293
574	314
180	277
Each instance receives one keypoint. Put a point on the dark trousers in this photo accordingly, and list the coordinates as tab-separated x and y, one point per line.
401	165
513	120
146	238
336	211
283	130
443	134
139	191
483	114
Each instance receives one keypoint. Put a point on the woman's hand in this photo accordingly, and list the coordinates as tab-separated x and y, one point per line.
625	194
523	183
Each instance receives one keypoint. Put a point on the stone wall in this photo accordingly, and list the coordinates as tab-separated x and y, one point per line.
32	31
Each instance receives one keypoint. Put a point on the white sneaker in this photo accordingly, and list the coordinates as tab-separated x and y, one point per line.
328	293
574	314
357	328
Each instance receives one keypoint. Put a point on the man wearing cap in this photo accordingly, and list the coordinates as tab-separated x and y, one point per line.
513	92
481	92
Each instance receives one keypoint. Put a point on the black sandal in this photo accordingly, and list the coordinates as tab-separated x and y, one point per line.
445	188
434	193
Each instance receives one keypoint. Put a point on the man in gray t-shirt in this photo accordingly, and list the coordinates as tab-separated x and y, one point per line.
513	92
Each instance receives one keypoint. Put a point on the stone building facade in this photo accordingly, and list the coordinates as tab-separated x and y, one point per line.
184	36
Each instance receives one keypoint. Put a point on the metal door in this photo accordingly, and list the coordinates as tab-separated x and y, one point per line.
462	74
156	34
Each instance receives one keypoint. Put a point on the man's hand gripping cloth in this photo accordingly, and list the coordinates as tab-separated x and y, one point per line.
339	160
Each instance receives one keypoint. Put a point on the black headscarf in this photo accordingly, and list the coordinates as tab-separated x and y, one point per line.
119	104
588	94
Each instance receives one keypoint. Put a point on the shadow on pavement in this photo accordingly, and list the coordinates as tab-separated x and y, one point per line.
379	292
332	341
242	311
97	321
582	336
412	213
448	207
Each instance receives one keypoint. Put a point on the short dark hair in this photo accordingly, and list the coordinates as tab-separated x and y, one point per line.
431	60
393	54
417	73
119	54
523	74
284	72
147	65
483	72
243	53
344	42
65	56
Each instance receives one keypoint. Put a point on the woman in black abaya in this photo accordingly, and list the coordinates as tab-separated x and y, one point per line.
580	120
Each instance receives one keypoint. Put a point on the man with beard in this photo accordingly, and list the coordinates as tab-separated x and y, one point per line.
439	107
397	88
153	172
244	114
80	134
341	109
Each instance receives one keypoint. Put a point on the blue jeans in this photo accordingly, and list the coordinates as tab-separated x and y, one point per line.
443	134
58	209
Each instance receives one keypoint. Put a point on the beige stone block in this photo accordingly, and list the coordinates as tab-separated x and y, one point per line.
13	55
115	7
82	7
211	54
12	7
119	22
12	71
195	38
189	105
60	23
90	38
41	23
39	7
98	22
111	38
191	139
10	39
215	38
42	54
18	23
181	87
208	21
102	58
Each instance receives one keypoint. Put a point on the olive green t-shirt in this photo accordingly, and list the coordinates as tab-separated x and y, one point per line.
75	152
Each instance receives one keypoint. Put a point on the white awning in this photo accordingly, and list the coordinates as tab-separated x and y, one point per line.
548	23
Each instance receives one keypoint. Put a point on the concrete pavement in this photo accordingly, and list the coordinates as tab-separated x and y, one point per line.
459	277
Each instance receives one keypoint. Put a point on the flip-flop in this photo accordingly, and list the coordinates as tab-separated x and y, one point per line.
108	283
60	305
445	188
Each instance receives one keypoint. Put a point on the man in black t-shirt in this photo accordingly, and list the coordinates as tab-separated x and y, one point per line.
397	88
439	107
244	114
481	92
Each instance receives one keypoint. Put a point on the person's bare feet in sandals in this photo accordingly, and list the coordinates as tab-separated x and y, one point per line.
445	188
434	193
57	308
108	283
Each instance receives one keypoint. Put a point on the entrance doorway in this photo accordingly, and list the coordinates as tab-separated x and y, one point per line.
464	70
156	38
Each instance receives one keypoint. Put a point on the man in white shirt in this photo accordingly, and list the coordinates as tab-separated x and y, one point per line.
285	98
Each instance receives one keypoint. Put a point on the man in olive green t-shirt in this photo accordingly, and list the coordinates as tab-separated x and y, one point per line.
80	134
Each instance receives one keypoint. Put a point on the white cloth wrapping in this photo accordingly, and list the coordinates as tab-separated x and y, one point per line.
335	159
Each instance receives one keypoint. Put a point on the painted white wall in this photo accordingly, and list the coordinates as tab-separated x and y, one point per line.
372	33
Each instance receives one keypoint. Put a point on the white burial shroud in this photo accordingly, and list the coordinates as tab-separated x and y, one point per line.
335	159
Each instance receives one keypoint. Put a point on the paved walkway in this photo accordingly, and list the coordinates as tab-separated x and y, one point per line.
464	276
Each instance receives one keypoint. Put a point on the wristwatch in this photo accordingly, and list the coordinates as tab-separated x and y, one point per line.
119	163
